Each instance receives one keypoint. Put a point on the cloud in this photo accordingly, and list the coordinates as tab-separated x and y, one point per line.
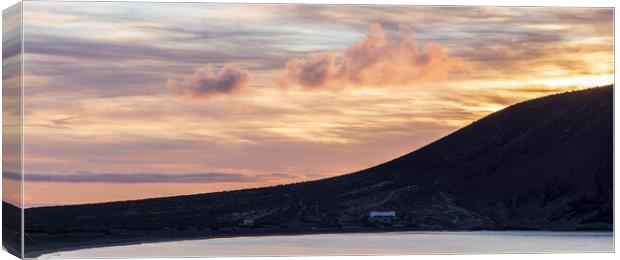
375	61
314	71
91	177
206	82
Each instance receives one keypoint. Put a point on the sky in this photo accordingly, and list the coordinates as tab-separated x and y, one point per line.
135	100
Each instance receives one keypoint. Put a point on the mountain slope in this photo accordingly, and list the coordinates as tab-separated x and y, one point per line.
541	164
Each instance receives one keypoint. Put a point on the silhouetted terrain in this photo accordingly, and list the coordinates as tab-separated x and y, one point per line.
12	228
544	164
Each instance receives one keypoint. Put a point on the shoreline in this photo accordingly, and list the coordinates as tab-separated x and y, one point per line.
125	239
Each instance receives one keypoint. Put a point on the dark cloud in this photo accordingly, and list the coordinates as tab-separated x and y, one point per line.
11	31
101	50
90	177
108	69
206	82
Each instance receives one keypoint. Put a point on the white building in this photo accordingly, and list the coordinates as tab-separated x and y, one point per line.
382	214
248	222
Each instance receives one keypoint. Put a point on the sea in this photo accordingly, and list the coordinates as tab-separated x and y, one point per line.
389	243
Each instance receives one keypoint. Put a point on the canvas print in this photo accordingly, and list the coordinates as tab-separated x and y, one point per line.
146	129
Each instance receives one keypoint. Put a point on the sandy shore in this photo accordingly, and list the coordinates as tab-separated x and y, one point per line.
53	244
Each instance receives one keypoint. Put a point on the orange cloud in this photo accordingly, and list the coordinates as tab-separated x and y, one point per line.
375	61
206	82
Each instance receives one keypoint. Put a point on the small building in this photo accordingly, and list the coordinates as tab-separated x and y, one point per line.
382	214
248	222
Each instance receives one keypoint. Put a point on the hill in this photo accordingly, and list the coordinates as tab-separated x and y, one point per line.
543	164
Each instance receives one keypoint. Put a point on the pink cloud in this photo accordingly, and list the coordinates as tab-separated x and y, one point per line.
206	82
314	71
375	61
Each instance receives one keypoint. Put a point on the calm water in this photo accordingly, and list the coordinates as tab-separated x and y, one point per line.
364	244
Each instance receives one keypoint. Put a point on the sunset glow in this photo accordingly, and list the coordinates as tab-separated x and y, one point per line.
255	95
